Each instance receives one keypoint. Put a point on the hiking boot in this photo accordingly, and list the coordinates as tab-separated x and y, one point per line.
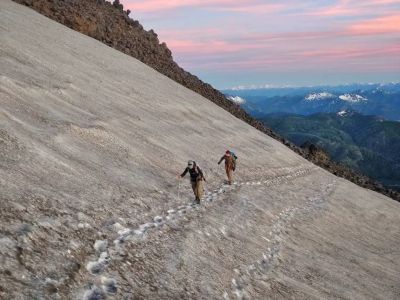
197	201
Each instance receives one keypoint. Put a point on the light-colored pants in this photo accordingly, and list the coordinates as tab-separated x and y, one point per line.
197	187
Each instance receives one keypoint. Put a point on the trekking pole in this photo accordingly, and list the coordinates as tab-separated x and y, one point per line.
179	190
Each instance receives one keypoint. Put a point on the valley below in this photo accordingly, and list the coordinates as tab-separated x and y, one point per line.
357	125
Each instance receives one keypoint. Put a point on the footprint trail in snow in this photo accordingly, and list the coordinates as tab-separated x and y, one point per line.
104	252
274	243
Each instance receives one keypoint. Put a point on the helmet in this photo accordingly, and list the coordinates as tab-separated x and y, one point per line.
190	163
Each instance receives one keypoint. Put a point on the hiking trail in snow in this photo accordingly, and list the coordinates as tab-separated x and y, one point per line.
271	256
105	253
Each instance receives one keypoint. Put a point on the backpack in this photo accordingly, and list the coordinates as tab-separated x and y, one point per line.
233	155
234	158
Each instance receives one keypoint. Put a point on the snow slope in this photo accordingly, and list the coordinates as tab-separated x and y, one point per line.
91	143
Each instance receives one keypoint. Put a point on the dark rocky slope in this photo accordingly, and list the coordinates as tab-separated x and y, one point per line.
110	24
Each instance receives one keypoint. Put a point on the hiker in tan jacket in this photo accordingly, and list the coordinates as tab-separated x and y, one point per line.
230	164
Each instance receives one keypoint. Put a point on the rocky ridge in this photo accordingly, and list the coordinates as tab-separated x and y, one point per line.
110	23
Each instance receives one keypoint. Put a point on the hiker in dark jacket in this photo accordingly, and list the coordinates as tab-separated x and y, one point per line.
196	179
230	164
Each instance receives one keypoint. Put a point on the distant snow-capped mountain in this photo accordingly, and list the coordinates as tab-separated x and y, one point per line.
326	95
370	99
236	99
319	96
346	113
352	98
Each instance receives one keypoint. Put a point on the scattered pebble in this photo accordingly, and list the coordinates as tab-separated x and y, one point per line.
158	219
125	231
95	293
84	226
95	267
100	246
109	285
117	227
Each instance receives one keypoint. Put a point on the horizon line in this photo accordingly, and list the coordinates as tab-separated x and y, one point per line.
286	86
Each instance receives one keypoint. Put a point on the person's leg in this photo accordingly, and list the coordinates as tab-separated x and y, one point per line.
200	190
229	172
195	191
194	185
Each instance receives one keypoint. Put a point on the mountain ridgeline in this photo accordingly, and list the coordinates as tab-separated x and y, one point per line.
110	23
367	144
368	99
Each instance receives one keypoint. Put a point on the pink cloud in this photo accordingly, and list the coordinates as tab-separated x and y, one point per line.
346	53
209	47
339	59
242	6
342	8
256	8
354	8
296	36
198	34
248	64
386	24
381	2
374	27
301	57
159	5
291	48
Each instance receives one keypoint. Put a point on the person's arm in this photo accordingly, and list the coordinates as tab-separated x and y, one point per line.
184	172
222	158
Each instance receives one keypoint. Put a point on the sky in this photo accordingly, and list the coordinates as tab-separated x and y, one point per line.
231	43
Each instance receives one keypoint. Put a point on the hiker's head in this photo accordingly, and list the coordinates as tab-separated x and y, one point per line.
191	164
228	152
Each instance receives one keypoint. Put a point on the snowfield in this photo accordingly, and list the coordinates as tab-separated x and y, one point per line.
342	113
237	99
325	96
91	144
319	96
352	98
